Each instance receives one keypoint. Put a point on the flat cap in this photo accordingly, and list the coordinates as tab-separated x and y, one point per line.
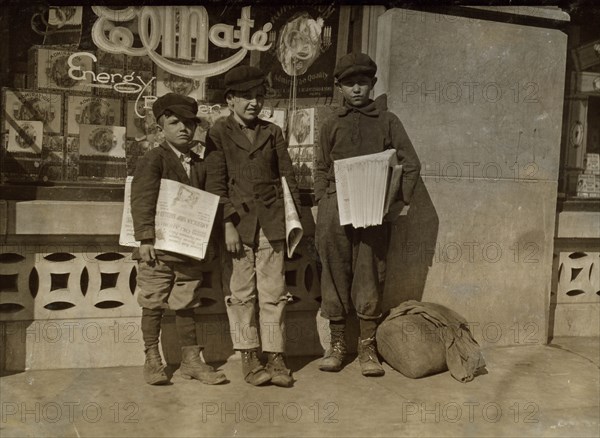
354	63
243	78
182	106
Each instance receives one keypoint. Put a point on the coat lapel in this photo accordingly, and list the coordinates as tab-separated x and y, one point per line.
174	164
262	135
236	134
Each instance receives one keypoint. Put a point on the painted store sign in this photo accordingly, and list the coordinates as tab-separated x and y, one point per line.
183	33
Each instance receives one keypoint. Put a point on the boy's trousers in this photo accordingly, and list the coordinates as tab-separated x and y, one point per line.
169	285
353	262
260	267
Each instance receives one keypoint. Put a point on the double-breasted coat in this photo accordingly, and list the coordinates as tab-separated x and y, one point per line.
247	177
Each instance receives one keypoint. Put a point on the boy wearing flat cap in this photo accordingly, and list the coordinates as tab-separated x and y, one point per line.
245	170
353	259
167	279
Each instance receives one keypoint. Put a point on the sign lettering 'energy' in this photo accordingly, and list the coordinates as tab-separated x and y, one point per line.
127	84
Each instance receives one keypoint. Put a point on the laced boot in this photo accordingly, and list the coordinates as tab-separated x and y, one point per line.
253	371
192	367
367	356
334	356
154	370
279	372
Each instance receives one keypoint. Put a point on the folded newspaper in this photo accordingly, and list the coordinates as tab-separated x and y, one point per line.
184	219
293	227
366	186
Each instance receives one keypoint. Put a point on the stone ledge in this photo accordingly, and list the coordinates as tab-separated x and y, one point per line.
50	218
111	342
579	224
545	12
577	319
68	217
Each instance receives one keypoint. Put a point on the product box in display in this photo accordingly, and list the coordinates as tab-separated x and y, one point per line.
49	69
102	152
592	164
88	110
27	105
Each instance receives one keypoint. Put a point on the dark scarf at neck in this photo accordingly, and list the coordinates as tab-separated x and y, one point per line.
370	109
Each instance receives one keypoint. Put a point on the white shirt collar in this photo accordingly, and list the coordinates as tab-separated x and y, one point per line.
198	150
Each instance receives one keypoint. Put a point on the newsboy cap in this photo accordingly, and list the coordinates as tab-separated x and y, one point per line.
354	63
243	78
182	106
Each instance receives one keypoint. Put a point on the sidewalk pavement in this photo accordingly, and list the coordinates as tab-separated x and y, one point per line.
532	390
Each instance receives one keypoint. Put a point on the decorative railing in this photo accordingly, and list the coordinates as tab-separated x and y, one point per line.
82	281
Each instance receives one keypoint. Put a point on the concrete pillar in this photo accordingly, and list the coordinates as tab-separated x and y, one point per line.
482	102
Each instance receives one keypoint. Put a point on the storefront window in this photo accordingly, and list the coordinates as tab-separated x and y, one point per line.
580	167
79	81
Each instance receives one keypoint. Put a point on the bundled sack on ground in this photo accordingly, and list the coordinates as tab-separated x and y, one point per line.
420	339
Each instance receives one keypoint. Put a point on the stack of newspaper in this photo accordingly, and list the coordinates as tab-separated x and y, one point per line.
366	187
184	219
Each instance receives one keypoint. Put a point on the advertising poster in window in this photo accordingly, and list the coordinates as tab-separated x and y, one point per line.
303	53
302	44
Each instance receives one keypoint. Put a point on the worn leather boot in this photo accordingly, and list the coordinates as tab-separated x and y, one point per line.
334	356
154	370
253	371
192	367
367	356
280	374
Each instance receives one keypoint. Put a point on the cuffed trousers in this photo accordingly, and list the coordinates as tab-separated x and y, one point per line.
257	275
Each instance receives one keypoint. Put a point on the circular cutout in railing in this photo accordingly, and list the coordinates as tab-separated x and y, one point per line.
10	308
110	256
34	282
133	280
59	305
84	281
59	257
9	282
11	257
109	304
108	280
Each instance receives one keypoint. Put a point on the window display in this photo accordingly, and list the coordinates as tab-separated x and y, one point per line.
83	112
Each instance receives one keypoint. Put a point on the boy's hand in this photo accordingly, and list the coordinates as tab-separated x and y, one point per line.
232	239
147	252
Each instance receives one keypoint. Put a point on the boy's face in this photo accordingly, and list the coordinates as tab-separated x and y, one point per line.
356	89
246	105
178	131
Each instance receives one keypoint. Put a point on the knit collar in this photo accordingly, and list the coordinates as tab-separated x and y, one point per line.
370	109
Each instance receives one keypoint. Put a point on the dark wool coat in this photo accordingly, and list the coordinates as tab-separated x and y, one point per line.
160	163
239	171
355	131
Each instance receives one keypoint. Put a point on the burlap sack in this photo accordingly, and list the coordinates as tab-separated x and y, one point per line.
411	345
